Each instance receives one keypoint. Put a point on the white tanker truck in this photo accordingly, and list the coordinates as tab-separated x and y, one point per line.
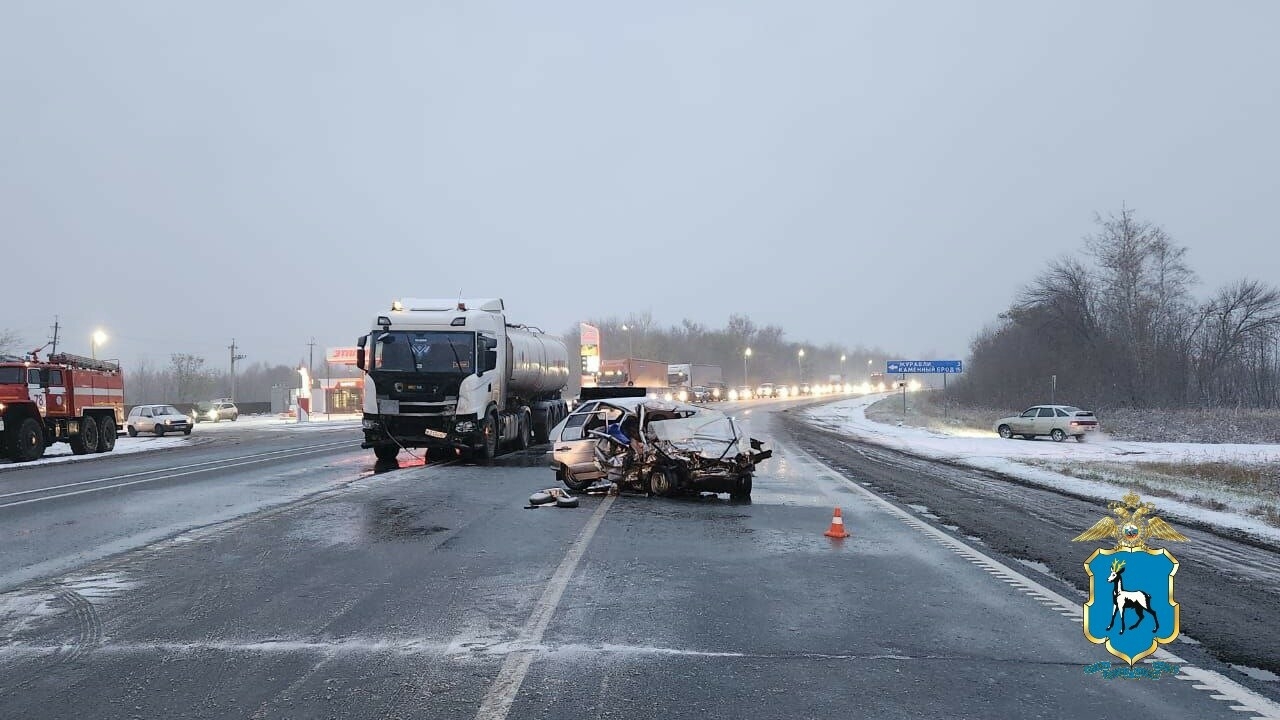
454	375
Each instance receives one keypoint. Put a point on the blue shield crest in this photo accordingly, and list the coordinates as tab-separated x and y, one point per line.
1131	607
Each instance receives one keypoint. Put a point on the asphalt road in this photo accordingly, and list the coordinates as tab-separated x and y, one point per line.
430	591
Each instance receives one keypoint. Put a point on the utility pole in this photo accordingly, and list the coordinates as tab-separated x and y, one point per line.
54	342
234	358
311	358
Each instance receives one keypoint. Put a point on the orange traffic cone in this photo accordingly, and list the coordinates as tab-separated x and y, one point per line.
837	527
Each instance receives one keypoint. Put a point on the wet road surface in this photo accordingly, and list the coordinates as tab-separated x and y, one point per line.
430	591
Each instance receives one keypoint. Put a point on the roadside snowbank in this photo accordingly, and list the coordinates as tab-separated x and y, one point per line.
61	452
987	451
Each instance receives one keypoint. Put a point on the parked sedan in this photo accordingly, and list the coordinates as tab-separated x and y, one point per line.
158	419
1055	421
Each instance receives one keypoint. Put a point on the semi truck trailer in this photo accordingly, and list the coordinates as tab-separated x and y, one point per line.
455	376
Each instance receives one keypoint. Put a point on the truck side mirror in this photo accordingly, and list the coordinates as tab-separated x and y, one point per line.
360	358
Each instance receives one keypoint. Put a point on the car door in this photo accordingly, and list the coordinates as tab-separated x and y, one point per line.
1025	424
146	421
1045	420
573	450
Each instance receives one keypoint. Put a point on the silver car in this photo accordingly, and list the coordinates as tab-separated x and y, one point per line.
1054	421
158	419
221	409
573	446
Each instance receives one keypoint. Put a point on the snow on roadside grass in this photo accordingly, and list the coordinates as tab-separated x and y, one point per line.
1123	465
61	452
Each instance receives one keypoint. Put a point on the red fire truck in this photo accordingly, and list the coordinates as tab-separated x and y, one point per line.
66	398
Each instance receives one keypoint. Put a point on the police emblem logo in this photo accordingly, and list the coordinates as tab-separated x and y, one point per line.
1131	609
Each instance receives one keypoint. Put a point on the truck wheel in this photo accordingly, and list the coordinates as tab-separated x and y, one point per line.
489	435
28	441
86	441
106	434
386	452
526	420
742	488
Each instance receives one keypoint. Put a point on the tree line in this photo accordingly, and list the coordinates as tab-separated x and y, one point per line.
1120	326
773	357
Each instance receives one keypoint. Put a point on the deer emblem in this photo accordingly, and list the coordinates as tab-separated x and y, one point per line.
1121	600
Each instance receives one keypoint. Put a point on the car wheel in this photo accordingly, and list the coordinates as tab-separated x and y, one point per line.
662	482
133	431
28	442
159	430
572	483
86	441
1058	435
1005	431
106	434
235	417
187	431
742	488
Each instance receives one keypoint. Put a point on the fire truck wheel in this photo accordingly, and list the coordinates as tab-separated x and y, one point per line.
28	441
86	441
106	433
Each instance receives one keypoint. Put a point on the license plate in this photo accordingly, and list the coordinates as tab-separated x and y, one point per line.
436	433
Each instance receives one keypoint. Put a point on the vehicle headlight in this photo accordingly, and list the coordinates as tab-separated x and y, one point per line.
466	426
684	396
733	395
369	424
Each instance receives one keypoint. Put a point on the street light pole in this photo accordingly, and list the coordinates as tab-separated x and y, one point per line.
746	354
800	363
842	378
97	339
631	349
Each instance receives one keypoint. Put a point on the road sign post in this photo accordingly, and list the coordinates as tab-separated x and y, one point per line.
924	367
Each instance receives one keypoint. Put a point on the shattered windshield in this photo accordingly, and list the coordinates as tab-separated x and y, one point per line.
426	352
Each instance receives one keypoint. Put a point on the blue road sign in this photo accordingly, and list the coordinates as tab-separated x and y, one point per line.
898	367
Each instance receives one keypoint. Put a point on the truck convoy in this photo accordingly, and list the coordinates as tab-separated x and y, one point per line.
67	398
454	375
632	372
690	382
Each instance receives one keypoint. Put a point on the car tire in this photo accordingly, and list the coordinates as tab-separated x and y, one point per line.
235	417
386	452
742	487
133	431
106	434
571	483
159	430
28	441
187	431
662	482
1005	432
1057	435
86	441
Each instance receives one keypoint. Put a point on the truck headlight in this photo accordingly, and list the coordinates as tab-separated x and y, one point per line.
466	426
369	424
684	396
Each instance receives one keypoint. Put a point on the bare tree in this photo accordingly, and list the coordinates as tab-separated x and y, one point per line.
10	342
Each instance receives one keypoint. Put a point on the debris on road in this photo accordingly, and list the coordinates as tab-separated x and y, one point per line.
556	496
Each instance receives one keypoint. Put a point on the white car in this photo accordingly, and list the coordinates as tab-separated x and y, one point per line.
1056	421
157	419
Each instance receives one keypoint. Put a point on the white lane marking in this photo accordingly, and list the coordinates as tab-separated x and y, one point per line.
167	469
162	477
1263	708
497	702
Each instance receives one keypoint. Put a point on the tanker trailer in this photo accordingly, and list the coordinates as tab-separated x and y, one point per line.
455	377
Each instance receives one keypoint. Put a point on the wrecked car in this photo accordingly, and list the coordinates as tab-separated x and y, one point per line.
656	447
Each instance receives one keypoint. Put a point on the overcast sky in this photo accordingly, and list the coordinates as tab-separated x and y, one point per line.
179	173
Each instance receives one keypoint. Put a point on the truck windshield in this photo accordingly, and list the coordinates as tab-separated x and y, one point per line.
432	351
12	376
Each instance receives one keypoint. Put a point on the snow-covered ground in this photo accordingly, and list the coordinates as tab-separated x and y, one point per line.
61	452
203	432
1018	458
